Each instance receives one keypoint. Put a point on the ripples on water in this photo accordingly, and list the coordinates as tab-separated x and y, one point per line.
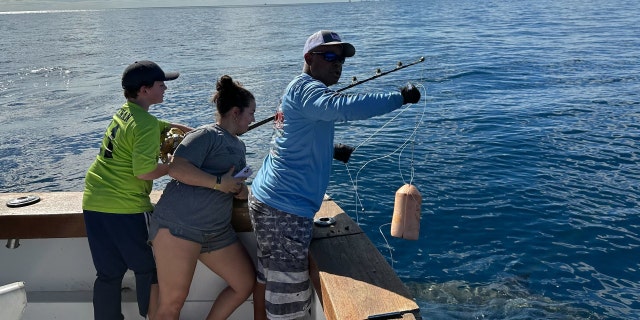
526	158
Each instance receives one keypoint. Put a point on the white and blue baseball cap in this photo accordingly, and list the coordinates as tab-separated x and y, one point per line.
326	37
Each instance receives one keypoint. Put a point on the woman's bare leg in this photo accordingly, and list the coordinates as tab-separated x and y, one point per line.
176	260
233	264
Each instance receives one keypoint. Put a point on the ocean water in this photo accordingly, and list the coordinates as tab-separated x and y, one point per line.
525	147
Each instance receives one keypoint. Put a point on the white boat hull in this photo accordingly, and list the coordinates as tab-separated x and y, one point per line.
58	277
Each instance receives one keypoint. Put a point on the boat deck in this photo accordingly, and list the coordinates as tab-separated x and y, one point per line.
351	278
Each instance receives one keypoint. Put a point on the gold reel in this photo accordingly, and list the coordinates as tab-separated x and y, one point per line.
170	141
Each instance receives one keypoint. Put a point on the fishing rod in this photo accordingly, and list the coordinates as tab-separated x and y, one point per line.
341	151
378	74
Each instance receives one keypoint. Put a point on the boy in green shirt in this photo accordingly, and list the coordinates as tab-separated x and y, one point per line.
116	197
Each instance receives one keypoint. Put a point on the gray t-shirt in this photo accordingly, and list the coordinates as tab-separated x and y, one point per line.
213	150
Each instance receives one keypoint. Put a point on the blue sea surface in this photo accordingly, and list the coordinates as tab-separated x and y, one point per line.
525	146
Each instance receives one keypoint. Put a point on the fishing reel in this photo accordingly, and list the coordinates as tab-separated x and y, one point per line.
170	140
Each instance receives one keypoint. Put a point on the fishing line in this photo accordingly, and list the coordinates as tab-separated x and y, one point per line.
413	143
410	140
386	241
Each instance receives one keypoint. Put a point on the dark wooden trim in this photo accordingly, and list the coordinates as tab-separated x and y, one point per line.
59	215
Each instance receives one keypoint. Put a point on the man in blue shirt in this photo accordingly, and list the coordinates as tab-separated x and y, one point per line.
289	187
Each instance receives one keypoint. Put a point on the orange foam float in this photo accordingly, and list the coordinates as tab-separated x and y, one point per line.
406	213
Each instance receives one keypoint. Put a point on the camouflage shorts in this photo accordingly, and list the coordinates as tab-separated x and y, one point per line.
283	259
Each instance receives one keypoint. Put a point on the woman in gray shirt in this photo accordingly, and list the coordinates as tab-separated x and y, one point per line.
192	220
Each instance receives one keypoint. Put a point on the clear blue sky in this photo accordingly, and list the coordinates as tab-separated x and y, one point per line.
38	5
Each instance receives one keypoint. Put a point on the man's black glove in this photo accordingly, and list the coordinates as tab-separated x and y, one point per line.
410	94
342	152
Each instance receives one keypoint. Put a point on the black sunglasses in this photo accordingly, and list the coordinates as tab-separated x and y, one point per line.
330	56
